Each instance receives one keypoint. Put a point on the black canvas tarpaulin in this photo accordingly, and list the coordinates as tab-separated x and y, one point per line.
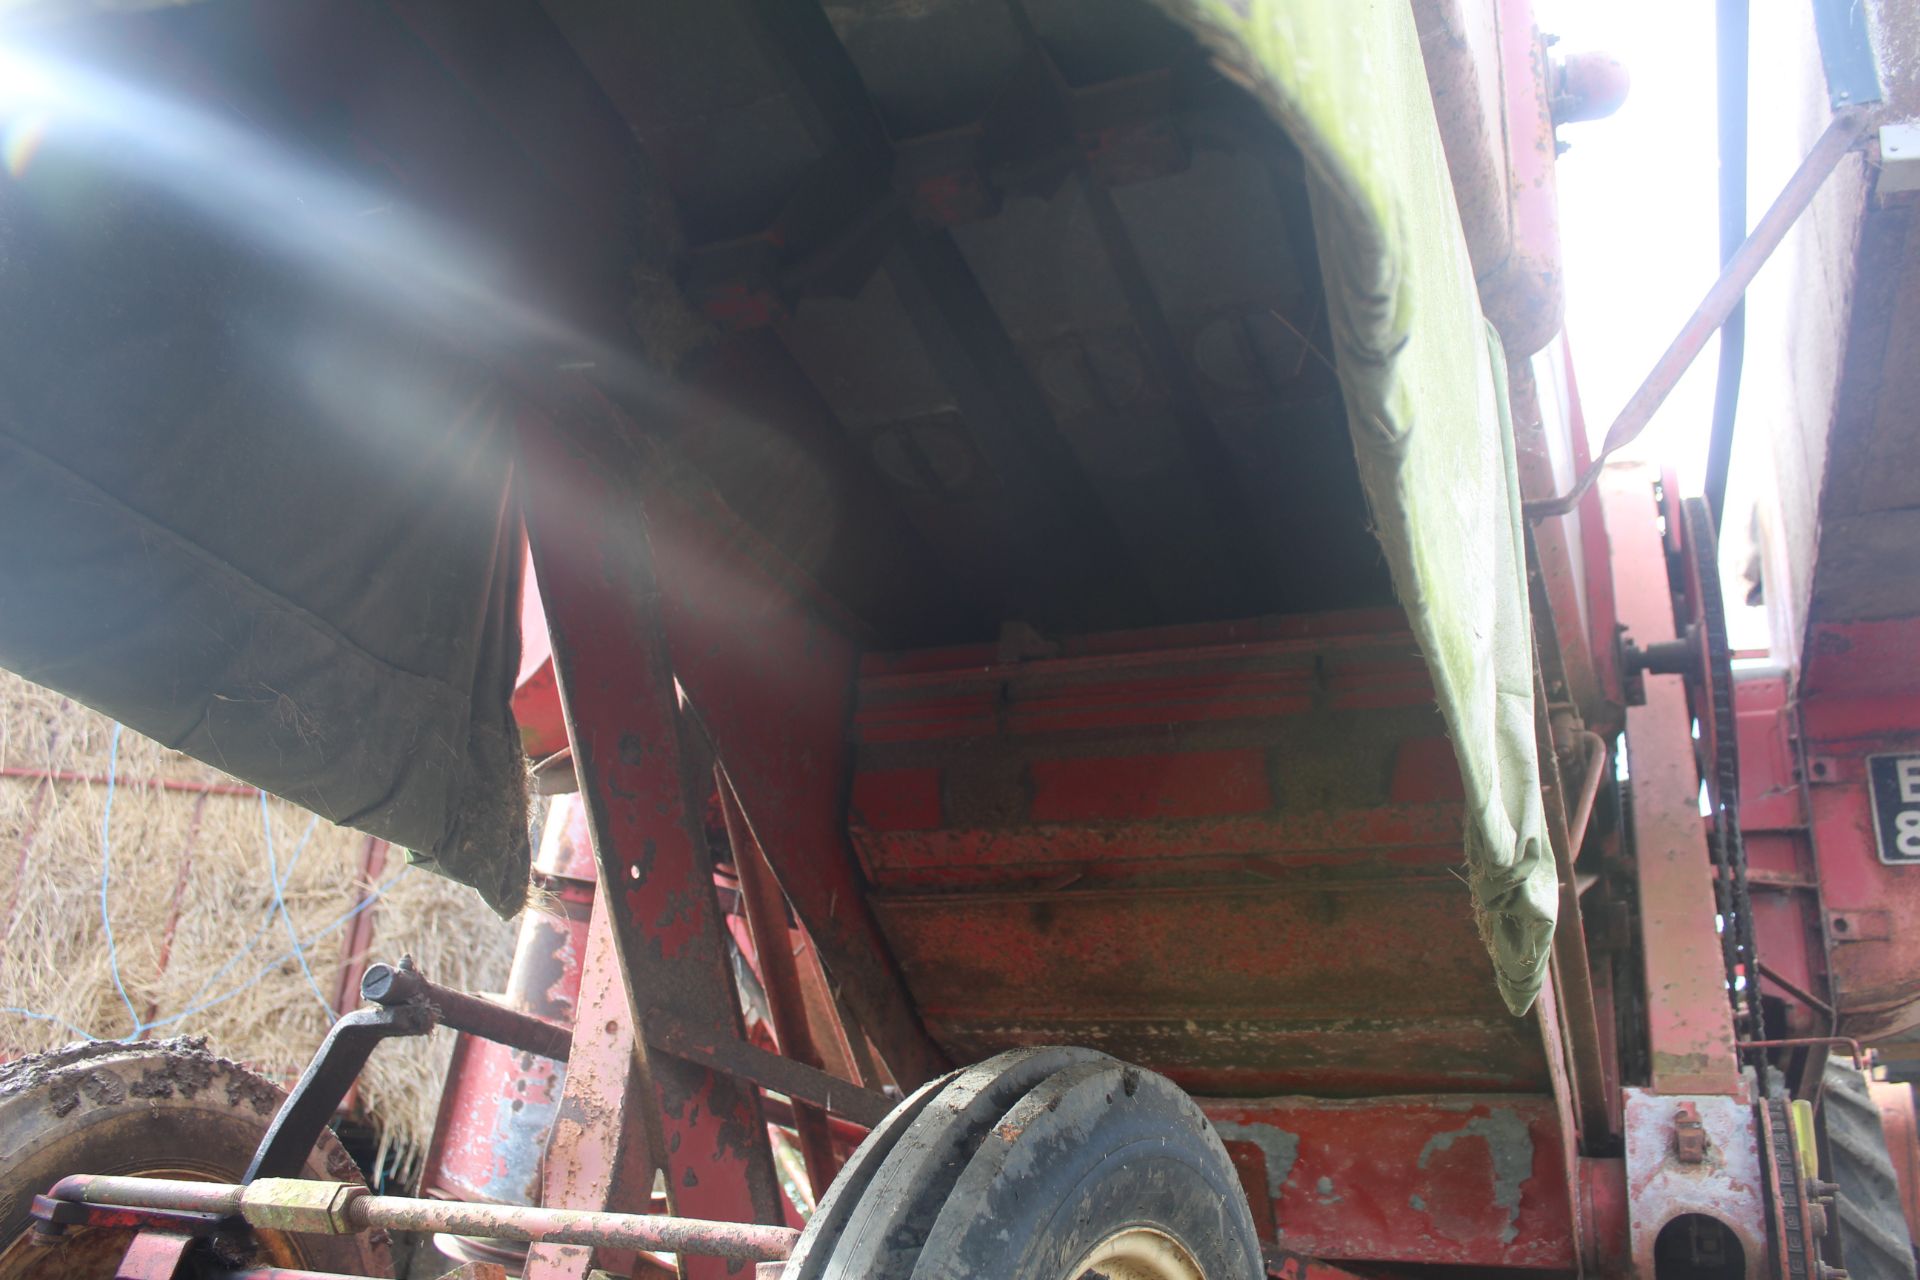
261	522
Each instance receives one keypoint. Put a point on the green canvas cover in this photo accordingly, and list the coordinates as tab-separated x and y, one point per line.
1425	388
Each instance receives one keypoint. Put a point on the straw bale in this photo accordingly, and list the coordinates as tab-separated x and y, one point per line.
192	910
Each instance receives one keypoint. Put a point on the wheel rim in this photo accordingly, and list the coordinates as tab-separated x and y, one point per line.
1137	1253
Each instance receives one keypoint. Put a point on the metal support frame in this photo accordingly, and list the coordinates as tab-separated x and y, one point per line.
1689	1022
642	788
769	677
602	1150
766	911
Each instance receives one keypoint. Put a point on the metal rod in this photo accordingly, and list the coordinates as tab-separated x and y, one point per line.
1799	993
1809	1042
347	1209
218	1198
395	985
741	1240
1838	139
1589	790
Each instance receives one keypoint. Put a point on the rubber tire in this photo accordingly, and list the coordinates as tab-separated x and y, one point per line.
1015	1169
1871	1221
153	1107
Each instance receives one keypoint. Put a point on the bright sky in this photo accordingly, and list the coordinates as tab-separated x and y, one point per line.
1639	218
1639	215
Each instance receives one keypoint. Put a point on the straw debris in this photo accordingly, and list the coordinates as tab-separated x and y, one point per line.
201	945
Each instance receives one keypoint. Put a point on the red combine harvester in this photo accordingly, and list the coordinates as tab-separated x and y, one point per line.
1083	678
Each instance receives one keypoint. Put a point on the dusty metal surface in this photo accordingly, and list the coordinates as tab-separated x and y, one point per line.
1725	1183
1231	850
1689	1022
1470	1181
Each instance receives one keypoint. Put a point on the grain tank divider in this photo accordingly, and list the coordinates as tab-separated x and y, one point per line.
1002	530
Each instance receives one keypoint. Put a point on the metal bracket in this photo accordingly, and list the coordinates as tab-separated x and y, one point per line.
154	1255
1689	1135
323	1085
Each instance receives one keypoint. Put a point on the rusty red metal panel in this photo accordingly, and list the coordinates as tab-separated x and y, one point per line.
897	799
1231	852
1282	1265
1188	784
490	1136
1397	835
1604	1230
1237	988
1872	659
1425	771
1689	1020
640	783
1871	909
1785	883
1437	1179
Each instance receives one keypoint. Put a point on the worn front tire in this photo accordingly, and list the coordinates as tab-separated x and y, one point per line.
158	1109
1039	1164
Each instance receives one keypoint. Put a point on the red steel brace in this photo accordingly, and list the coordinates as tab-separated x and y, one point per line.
595	563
